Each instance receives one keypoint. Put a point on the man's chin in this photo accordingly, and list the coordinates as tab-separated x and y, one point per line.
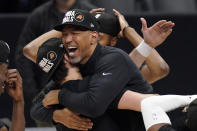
75	60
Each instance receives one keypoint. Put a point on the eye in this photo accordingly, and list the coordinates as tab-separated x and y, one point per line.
64	34
75	32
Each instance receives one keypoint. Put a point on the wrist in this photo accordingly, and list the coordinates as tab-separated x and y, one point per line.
19	100
144	49
124	30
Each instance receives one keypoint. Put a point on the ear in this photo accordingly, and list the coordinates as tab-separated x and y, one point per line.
94	37
113	41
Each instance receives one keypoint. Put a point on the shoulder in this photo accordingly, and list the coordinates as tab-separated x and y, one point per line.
112	53
44	8
116	58
113	57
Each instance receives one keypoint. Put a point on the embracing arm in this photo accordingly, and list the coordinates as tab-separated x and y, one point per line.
31	49
40	113
103	87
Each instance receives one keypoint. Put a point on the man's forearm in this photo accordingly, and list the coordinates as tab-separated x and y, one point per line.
135	39
133	36
40	113
31	49
18	119
156	67
137	58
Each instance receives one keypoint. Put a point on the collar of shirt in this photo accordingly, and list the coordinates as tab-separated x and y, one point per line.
88	68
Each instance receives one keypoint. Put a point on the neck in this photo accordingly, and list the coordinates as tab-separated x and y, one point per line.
91	51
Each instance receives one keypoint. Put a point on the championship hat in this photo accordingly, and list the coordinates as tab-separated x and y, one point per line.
192	115
79	18
108	23
5	51
49	56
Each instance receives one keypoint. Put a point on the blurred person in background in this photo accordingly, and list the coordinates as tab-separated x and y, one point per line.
10	80
41	20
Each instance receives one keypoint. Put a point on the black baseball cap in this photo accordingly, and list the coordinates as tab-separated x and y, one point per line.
49	56
78	17
5	51
192	115
108	23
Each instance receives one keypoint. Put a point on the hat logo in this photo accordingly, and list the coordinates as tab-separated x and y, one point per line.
69	16
79	17
51	56
97	16
46	65
91	25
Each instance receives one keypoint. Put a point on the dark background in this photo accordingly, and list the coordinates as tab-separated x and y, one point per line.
179	51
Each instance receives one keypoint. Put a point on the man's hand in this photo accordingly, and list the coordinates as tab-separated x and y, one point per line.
14	85
98	10
122	21
51	98
72	120
157	33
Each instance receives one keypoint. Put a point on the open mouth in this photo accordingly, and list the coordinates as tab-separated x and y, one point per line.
72	51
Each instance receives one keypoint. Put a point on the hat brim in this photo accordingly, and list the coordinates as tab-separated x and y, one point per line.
61	26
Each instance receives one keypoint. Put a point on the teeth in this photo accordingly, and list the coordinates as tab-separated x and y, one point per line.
72	47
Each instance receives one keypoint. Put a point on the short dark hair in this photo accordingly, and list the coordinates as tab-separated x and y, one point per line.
60	73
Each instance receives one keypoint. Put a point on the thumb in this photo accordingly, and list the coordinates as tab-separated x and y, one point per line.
144	24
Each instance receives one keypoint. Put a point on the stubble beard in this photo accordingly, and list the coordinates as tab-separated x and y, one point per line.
75	60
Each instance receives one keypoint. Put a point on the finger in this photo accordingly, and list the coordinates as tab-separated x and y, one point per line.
82	121
160	23
11	80
169	32
144	24
68	65
76	127
98	10
116	12
80	124
12	71
12	75
166	27
78	118
66	57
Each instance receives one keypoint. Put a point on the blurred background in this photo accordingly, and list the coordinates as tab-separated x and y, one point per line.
179	50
